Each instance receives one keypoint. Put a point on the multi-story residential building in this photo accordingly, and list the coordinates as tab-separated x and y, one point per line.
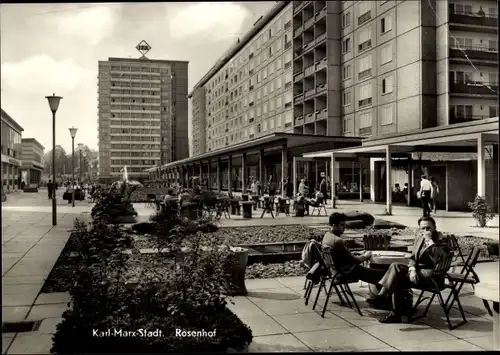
198	137
11	152
360	69
143	117
250	95
32	159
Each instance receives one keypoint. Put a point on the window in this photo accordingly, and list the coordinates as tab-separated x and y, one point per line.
346	19
364	35
365	95
386	54
279	120
288	117
461	43
463	9
270	69
264	108
288	59
365	123
387	85
493	46
463	111
279	64
347	125
386	116
386	24
346	45
278	82
288	78
493	12
264	73
279	102
365	67
346	98
493	111
288	99
346	72
271	123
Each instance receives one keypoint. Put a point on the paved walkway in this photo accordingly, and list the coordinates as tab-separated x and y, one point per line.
30	248
275	311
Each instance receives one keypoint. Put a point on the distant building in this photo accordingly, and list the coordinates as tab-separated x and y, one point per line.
11	152
143	115
32	161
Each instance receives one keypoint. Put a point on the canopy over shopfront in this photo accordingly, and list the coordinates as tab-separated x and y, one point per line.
467	137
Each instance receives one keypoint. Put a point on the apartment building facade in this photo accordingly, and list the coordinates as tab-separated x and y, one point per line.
198	119
143	117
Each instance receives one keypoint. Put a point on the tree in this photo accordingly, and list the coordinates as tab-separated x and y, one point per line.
63	165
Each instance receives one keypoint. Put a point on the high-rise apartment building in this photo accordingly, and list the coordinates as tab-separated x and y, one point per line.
248	93
198	121
360	68
143	115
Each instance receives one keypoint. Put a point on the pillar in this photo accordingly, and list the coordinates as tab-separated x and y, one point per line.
333	178
372	180
201	173
410	181
230	175
481	166
316	173
209	173
181	176
294	175
360	180
261	167
244	173
219	180
388	175
284	159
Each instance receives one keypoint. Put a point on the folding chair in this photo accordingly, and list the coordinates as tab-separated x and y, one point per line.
436	285
319	206
466	276
336	278
222	208
458	256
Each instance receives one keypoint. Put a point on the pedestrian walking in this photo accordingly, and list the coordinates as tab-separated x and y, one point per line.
434	194
425	194
50	189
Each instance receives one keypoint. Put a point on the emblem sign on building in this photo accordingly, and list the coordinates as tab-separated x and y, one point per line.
143	47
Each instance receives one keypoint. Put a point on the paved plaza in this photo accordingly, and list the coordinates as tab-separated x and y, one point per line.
274	308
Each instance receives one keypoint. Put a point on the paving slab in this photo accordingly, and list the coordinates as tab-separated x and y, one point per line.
53	298
6	341
447	345
39	312
340	339
277	343
29	343
310	322
49	325
14	314
264	325
484	342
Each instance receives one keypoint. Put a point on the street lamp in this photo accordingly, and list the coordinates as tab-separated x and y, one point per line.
73	131
54	105
84	153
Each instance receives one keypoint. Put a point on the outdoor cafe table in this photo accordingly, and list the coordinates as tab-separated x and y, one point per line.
489	291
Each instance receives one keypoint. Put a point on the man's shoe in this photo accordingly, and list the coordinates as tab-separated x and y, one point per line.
391	318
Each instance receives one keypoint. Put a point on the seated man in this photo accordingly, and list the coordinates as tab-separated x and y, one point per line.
344	260
429	247
169	196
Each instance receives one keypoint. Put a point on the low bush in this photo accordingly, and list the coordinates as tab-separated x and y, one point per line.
113	205
481	211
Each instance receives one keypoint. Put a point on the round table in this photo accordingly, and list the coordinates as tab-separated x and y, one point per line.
488	290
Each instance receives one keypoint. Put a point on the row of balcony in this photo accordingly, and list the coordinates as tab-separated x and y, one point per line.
474	88
310	93
156	80
311	117
474	53
468	21
307	24
311	44
134	72
316	67
465	117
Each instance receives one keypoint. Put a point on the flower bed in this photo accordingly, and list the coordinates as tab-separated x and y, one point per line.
180	292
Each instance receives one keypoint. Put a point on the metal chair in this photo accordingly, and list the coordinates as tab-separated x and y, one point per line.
437	283
466	276
337	278
319	205
151	201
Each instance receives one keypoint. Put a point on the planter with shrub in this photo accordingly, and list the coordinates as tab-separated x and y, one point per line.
481	211
114	206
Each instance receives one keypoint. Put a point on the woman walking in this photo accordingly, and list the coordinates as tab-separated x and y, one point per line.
434	194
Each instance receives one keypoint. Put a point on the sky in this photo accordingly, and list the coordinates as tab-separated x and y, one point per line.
55	48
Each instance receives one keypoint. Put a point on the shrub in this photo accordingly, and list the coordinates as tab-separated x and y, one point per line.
481	211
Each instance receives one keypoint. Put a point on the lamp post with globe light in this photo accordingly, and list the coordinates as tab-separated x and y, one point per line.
73	131
54	105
